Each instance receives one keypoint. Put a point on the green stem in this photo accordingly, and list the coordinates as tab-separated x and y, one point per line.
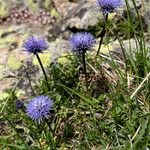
84	69
50	136
43	71
52	131
102	34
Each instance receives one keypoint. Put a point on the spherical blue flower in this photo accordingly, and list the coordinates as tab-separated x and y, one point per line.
82	41
39	107
35	45
109	6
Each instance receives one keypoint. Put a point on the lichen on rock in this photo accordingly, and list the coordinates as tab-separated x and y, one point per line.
45	58
14	61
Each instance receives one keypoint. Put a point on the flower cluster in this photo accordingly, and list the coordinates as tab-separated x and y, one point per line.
39	107
34	45
109	6
82	41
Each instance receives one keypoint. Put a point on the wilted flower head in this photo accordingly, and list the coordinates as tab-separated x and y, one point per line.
109	6
39	107
82	41
19	104
35	45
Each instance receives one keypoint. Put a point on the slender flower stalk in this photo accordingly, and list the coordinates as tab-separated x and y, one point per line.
50	128
107	6
84	69
46	79
102	34
80	43
35	46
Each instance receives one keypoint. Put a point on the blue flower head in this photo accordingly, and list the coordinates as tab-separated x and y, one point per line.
109	6
39	108
82	41
35	45
19	104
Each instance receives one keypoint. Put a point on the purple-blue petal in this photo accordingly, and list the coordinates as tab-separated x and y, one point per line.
82	41
34	45
109	6
39	107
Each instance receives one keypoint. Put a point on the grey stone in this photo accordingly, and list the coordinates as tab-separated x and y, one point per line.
86	15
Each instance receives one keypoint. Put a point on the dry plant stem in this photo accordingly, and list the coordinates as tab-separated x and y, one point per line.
102	34
43	71
30	85
141	84
84	69
138	129
27	75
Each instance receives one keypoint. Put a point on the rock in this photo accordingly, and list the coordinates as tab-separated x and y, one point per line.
7	83
58	48
130	47
78	15
114	48
85	17
128	44
64	6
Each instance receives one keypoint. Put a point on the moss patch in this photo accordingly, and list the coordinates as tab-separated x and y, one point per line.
33	6
3	42
3	95
105	48
4	10
63	59
111	16
19	93
54	13
14	61
47	4
7	39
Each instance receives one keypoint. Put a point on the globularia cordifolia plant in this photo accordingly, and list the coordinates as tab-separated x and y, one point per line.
37	45
107	6
80	42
